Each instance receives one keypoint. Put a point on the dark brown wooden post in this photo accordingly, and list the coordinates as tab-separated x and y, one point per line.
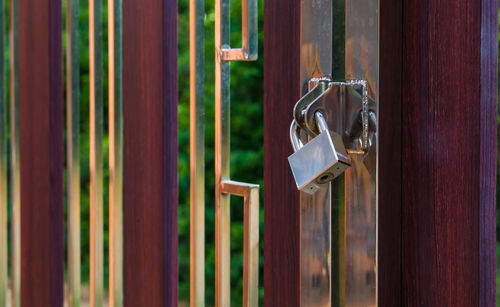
281	198
150	152
389	142
42	152
449	96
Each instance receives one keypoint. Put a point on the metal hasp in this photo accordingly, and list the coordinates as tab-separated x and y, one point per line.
224	187
324	157
339	41
348	103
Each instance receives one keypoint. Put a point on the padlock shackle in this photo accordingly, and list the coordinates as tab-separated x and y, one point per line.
320	121
294	137
318	90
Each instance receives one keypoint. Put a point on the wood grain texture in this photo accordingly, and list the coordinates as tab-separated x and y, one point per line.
150	152
389	146
281	198
448	152
41	146
488	168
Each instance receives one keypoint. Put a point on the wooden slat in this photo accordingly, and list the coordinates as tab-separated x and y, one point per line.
150	152
488	162
448	152
42	152
389	146
281	198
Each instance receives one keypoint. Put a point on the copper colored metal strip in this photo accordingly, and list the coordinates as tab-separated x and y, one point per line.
15	186
96	154
3	166
197	150
115	153
224	54
250	194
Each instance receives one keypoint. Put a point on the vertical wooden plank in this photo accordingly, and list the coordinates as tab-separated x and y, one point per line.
487	168
42	149
170	153
150	152
281	198
448	152
389	159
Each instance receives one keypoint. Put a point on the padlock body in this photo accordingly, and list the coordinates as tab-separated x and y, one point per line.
319	161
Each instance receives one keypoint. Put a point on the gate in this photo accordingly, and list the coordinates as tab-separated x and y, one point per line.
408	94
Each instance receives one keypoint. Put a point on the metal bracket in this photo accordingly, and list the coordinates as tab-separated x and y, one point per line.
249	36
347	103
250	194
224	186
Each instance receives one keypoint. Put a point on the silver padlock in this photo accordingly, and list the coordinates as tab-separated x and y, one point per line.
320	160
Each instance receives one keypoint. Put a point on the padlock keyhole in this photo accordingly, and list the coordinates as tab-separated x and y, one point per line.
325	178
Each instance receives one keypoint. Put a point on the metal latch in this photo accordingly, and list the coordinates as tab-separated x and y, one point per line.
325	155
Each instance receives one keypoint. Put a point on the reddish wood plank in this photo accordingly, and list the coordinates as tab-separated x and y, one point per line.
150	152
41	146
389	146
487	168
281	198
448	152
